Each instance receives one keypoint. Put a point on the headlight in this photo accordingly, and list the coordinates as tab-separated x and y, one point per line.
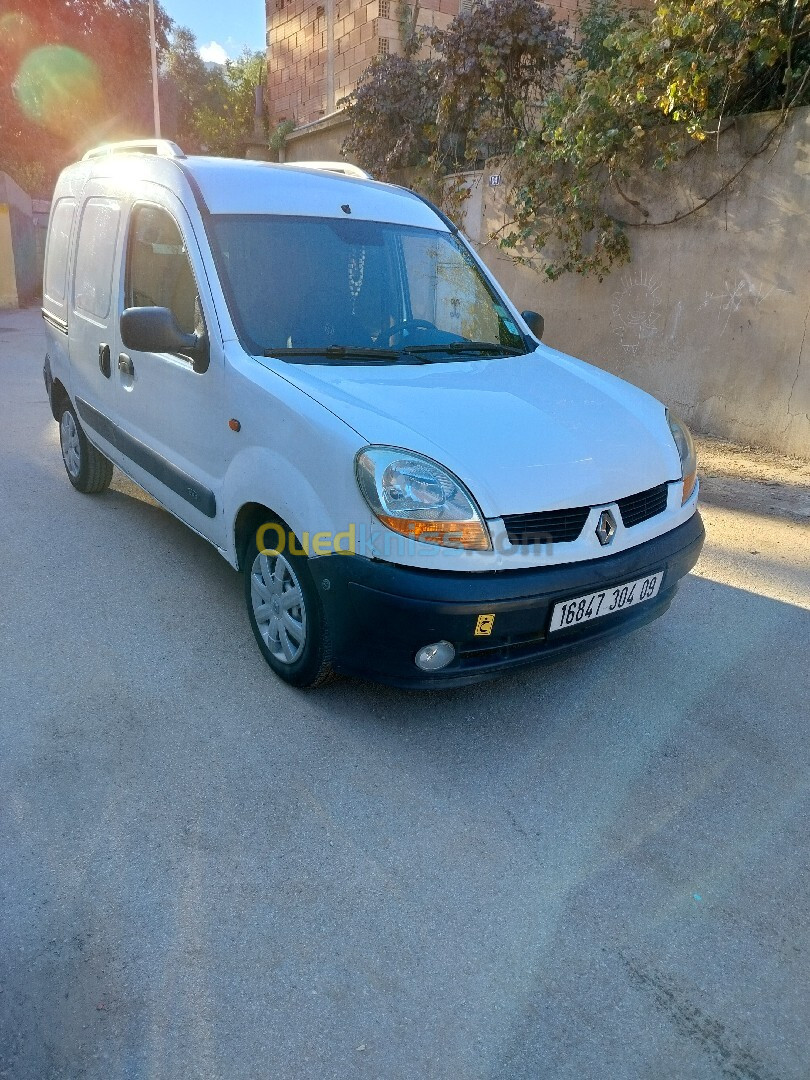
419	498
686	450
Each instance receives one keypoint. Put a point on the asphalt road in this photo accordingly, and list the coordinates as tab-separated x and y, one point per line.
594	870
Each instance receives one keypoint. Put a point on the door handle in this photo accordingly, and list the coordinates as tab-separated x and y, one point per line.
104	360
125	365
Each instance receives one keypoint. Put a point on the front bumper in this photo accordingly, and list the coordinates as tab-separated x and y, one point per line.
379	614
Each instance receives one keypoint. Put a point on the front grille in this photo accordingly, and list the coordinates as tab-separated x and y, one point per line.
547	527
637	508
564	526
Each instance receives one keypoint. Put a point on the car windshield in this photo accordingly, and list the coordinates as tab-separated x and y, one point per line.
345	291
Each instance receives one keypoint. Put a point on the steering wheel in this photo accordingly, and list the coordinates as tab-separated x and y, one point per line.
408	326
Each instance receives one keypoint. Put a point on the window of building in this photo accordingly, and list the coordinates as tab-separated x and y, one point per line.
385	9
159	273
382	46
98	234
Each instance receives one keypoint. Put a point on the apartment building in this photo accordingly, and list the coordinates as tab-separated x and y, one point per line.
316	52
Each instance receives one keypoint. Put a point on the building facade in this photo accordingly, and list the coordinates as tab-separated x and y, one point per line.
316	52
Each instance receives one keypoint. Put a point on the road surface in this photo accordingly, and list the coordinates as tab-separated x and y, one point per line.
597	870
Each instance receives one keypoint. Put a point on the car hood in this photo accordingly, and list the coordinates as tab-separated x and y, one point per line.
525	433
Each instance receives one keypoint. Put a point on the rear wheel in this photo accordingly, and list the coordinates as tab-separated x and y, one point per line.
286	614
87	468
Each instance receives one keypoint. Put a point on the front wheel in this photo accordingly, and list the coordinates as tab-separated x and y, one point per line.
87	468
286	614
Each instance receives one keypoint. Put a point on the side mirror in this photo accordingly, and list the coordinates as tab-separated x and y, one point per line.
155	329
535	322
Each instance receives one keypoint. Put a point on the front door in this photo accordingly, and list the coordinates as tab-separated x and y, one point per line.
171	418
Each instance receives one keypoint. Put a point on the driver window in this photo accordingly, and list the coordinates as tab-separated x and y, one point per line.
159	273
444	292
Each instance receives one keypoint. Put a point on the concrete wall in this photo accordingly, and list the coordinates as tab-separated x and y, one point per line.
320	141
20	268
712	313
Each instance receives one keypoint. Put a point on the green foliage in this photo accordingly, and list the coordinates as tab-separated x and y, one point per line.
476	95
641	91
602	19
186	86
670	81
496	64
225	120
393	115
279	135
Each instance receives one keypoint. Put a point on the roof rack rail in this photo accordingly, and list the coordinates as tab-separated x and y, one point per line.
159	147
343	167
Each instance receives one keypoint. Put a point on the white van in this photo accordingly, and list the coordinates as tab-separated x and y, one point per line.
315	372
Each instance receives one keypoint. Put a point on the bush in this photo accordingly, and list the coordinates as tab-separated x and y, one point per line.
670	80
496	65
393	115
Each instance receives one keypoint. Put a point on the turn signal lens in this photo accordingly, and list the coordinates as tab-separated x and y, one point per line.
686	451
689	482
462	534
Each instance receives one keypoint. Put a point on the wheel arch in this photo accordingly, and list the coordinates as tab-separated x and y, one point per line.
59	397
249	517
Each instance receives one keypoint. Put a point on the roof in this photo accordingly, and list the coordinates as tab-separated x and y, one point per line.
237	186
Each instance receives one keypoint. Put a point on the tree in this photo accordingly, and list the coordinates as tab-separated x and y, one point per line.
186	86
225	120
73	73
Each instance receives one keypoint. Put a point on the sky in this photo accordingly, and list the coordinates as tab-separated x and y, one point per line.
221	28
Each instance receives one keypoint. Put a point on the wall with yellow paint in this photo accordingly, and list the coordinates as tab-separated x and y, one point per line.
20	271
8	279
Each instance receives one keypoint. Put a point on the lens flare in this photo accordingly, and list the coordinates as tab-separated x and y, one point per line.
60	89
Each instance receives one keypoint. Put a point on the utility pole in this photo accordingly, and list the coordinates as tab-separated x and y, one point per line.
153	47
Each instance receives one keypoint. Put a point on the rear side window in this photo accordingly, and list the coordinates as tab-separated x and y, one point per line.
159	273
59	231
94	257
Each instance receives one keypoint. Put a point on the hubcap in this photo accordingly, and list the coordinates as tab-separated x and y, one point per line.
71	447
278	607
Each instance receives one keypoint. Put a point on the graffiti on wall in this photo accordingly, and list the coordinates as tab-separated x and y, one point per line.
637	310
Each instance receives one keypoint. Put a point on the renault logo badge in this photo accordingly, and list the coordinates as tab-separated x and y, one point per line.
606	528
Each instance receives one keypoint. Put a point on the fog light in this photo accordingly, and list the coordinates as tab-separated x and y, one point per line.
434	657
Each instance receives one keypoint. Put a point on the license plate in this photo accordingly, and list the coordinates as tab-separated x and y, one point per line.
596	604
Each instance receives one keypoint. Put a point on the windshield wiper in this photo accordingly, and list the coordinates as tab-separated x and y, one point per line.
338	352
477	348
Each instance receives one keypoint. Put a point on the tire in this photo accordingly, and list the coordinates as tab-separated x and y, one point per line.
87	468
286	614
